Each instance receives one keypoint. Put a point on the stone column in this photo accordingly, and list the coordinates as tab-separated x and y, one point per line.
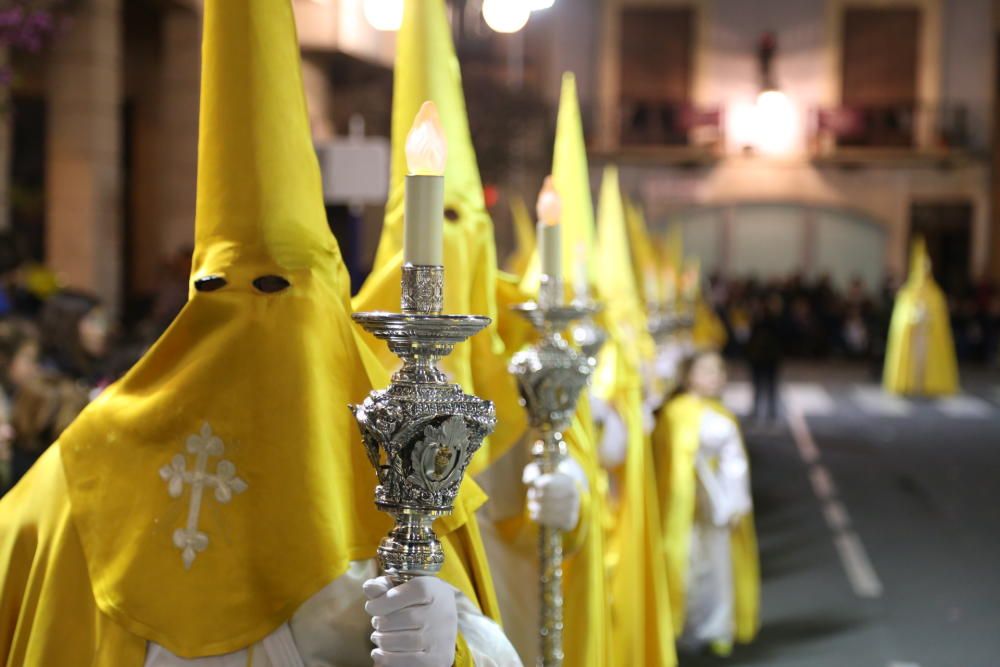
83	152
181	92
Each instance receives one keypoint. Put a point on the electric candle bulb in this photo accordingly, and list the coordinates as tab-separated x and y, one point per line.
426	147
549	209
426	155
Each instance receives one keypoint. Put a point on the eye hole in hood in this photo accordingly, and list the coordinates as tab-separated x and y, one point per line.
271	284
209	283
451	214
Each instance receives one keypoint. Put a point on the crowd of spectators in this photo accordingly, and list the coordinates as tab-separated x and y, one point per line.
59	348
813	319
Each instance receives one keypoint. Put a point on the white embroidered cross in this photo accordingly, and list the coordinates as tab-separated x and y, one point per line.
189	539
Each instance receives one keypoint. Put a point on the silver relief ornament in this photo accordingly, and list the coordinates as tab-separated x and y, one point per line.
422	430
551	375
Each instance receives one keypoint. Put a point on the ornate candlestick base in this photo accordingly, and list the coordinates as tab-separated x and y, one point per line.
551	375
585	332
420	432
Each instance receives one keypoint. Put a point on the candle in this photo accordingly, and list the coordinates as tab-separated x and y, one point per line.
423	221
549	210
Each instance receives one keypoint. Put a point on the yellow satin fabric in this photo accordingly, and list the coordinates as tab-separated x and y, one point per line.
524	235
571	179
270	374
675	444
920	300
48	614
587	612
641	623
427	69
708	331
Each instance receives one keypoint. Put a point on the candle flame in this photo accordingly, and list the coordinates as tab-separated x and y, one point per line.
549	206
426	146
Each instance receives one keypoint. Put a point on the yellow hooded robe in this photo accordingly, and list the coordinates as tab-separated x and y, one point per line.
109	542
920	355
708	331
641	623
524	235
427	69
675	443
586	612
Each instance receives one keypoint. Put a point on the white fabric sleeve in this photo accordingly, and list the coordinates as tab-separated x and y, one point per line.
723	469
488	645
613	446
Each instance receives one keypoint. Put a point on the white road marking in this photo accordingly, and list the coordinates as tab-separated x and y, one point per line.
802	436
897	663
965	406
857	565
836	515
809	398
738	397
822	483
859	568
876	402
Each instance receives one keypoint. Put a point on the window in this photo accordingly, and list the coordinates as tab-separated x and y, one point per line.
879	75
657	53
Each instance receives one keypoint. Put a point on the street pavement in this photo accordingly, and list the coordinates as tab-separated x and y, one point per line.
879	525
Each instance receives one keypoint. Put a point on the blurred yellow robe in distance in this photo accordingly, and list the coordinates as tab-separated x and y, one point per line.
427	69
103	546
524	235
586	612
641	623
920	354
675	444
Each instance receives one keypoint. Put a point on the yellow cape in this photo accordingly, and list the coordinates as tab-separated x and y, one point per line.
675	443
641	623
106	543
920	355
427	69
524	235
587	613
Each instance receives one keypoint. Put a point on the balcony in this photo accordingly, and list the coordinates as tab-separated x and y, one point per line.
905	133
676	132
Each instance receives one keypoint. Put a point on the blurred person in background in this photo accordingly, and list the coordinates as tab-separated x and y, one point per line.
764	354
703	476
40	403
75	334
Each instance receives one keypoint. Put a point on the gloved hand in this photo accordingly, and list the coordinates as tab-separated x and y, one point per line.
613	447
553	499
416	623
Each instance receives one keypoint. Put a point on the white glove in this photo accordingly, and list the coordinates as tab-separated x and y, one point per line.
614	441
416	623
553	499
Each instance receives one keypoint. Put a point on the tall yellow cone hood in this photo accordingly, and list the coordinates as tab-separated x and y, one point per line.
260	197
571	178
427	69
920	357
247	390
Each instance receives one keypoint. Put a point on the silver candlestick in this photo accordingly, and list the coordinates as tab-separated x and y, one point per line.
551	375
421	431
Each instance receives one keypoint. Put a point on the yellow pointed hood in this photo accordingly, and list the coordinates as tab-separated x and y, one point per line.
571	178
670	251
259	190
920	263
644	263
222	481
524	234
618	287
427	69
